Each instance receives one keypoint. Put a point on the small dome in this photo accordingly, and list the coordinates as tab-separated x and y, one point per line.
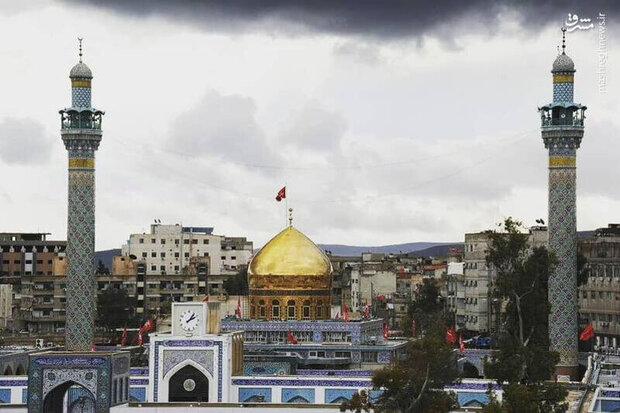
81	71
563	63
290	253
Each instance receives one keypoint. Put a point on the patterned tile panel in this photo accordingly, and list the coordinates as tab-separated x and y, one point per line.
563	92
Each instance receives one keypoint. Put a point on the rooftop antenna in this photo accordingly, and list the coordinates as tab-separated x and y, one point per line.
563	39
80	41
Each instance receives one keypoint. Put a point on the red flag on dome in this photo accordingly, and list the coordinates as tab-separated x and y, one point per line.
281	194
450	335
587	333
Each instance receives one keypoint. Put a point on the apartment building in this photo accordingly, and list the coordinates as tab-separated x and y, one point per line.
479	312
599	298
168	249
30	263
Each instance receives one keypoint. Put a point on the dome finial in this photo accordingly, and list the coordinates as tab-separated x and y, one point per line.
563	39
290	217
80	41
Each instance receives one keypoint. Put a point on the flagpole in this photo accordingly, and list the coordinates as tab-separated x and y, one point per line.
285	208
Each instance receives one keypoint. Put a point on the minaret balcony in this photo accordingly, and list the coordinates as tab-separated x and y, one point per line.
88	118
567	115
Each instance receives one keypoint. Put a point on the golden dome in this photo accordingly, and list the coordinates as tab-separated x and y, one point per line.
290	253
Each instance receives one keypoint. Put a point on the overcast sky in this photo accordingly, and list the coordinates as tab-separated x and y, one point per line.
388	121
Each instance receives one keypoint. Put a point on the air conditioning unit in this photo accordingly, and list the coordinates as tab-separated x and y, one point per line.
38	343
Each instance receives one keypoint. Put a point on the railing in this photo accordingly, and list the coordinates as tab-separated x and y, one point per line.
562	122
81	122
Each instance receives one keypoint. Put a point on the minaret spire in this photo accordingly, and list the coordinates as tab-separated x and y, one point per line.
563	40
80	41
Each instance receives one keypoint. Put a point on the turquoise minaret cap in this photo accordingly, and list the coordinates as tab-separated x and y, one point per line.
81	77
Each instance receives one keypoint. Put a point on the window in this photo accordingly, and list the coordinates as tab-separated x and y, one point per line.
290	310
233	258
17	262
223	257
186	255
305	311
206	241
162	254
153	267
319	309
275	309
153	254
186	241
206	254
194	241
144	254
141	240
153	240
176	241
176	268
369	356
176	255
39	261
162	268
262	311
163	241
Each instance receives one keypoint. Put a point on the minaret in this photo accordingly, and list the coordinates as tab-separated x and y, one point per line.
80	127
562	131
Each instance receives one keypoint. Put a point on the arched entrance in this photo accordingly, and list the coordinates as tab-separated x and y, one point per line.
188	385
470	371
8	371
21	371
79	399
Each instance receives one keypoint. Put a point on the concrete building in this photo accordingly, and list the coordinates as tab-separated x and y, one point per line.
477	312
30	263
168	249
599	298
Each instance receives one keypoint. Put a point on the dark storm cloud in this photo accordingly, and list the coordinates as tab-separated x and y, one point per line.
385	18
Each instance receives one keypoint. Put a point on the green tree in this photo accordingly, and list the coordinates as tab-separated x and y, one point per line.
238	283
115	309
360	402
415	384
425	308
523	358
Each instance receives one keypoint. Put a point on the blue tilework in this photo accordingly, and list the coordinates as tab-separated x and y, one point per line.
24	396
297	395
467	398
251	394
266	368
563	92
5	396
137	394
80	97
338	395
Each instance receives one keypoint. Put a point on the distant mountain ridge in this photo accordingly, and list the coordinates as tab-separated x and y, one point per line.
350	250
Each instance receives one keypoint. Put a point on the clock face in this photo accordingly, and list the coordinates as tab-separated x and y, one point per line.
188	320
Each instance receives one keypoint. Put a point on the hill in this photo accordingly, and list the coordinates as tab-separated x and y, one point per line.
350	250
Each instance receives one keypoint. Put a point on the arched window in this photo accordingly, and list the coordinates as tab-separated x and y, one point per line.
319	309
305	310
290	309
275	309
262	311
